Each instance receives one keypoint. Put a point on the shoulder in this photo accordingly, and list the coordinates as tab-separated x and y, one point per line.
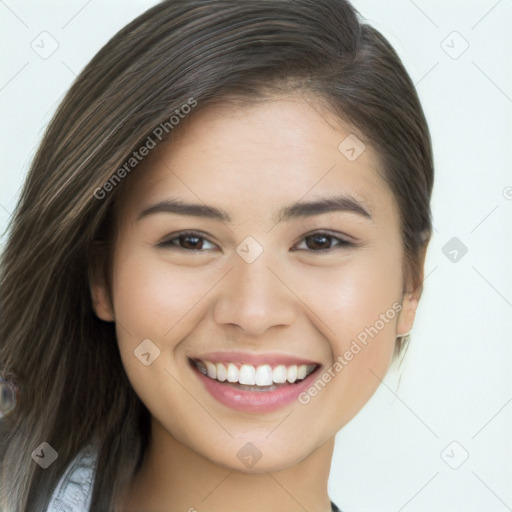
73	492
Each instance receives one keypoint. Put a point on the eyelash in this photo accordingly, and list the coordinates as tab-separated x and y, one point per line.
168	243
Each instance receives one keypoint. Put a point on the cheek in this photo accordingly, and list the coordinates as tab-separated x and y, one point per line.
359	310
153	299
355	295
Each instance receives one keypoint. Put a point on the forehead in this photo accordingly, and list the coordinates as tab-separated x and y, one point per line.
252	158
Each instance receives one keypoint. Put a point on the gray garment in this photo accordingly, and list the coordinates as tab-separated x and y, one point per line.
73	493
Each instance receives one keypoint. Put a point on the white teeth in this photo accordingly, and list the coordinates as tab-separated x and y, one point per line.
291	374
248	375
264	375
221	372
302	371
279	374
211	369
232	373
202	368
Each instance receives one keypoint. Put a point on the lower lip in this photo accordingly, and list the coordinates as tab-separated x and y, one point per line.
255	401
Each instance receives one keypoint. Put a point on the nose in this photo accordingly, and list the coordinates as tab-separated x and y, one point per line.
254	297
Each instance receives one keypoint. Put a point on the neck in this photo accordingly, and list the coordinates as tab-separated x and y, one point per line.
175	478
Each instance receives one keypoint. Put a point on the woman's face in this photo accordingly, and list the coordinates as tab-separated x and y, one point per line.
292	264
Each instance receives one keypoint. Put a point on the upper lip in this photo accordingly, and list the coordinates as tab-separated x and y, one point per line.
253	359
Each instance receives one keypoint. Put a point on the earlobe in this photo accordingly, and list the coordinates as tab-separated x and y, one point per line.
98	284
101	302
407	314
100	296
410	299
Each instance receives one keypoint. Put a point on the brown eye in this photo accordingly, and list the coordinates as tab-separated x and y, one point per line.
319	242
187	242
191	242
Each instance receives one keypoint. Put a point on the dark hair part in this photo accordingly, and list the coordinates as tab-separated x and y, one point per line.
208	50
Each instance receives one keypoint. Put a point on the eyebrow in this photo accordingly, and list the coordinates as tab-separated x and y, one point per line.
341	203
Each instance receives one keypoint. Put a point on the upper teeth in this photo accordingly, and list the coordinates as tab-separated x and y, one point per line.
263	375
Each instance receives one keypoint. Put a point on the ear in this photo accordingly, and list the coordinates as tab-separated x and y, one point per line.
407	314
410	299
100	295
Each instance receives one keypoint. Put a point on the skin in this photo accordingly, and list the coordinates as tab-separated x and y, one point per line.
250	161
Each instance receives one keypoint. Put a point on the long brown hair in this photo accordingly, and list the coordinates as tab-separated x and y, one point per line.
73	387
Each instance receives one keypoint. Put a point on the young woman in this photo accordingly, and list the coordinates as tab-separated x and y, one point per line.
218	248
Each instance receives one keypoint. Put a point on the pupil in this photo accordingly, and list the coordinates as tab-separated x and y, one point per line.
320	242
192	245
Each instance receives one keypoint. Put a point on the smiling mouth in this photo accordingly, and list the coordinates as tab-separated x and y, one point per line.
247	377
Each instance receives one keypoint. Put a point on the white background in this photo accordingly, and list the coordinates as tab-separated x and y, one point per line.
455	383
